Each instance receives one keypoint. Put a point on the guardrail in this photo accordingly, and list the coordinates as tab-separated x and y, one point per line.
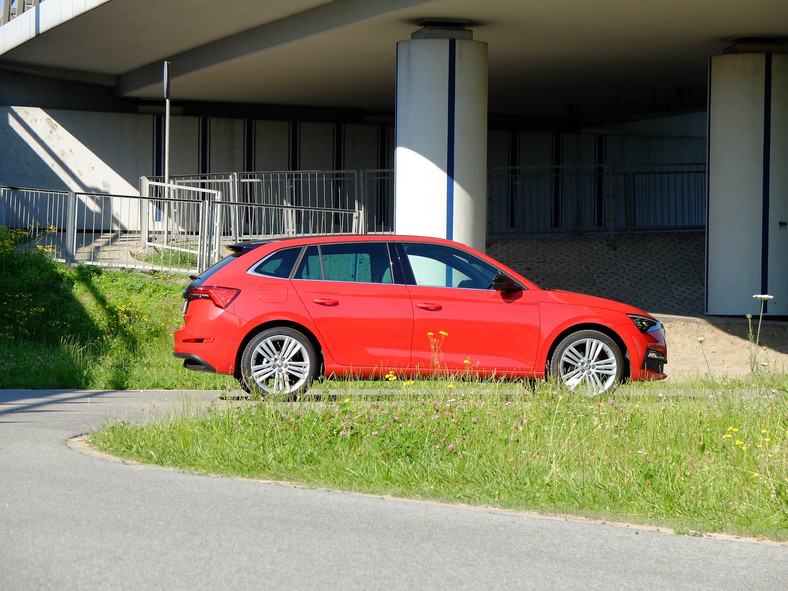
11	9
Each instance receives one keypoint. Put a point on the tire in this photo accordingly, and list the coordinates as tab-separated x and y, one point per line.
587	362
280	361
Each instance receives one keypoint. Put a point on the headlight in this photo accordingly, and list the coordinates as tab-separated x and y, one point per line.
644	323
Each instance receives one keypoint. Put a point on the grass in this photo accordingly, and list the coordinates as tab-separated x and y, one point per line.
83	327
701	456
713	461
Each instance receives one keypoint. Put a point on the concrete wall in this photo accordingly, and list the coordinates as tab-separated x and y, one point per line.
108	152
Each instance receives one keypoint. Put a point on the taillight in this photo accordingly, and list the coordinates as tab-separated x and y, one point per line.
220	296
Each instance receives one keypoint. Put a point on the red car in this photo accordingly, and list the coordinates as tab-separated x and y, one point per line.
274	314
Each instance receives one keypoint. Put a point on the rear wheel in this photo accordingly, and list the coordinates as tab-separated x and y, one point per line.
588	362
279	361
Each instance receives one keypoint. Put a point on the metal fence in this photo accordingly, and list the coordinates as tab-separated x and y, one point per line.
606	198
183	225
177	227
285	203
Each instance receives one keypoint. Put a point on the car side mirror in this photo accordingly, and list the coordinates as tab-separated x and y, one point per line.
502	282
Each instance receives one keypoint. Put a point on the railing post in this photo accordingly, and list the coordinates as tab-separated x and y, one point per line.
144	213
3	198
70	245
235	192
204	247
359	217
5	16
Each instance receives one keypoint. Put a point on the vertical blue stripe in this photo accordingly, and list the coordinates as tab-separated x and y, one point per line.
250	159
708	180
205	145
295	148
450	140
767	154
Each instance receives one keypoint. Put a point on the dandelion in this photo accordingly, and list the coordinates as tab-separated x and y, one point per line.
450	386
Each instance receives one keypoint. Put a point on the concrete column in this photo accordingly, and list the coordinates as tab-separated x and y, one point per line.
747	206
440	160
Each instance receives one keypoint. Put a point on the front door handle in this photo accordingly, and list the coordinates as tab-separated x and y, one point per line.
326	302
429	306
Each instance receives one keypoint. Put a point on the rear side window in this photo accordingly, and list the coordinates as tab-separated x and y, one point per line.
278	264
360	263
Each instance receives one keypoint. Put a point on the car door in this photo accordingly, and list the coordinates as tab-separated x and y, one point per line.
365	319
460	322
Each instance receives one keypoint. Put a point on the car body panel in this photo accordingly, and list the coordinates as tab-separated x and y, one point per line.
363	326
367	328
478	330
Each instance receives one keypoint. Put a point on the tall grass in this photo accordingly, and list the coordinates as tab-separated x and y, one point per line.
83	327
710	461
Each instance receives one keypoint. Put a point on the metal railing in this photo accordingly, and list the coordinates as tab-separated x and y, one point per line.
182	226
170	227
605	198
367	193
13	8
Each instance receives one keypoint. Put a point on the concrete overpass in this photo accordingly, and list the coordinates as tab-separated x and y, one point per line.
564	67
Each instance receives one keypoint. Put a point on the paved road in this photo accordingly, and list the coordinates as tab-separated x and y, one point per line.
70	520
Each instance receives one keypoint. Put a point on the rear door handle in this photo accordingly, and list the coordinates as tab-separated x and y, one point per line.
429	306
326	302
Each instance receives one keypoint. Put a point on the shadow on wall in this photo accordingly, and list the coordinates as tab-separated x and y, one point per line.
40	152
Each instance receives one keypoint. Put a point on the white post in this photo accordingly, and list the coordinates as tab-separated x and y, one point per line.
166	152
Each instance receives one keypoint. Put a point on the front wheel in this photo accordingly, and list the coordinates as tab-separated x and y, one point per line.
587	361
278	361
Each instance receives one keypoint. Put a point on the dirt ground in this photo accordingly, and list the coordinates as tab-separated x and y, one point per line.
726	346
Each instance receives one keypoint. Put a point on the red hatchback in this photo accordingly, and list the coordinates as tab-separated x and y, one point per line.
274	314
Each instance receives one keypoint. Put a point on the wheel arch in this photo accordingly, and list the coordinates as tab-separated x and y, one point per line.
606	330
279	324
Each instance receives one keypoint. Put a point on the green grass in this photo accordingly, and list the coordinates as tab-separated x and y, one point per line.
83	327
700	456
712	461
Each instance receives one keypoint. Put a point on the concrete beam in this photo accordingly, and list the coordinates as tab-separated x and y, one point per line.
299	26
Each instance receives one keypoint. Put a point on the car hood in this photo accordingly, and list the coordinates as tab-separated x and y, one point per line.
557	296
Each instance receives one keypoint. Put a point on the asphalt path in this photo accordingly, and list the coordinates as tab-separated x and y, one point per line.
75	520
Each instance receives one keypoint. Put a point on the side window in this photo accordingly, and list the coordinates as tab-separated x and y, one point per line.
278	264
443	266
360	263
310	267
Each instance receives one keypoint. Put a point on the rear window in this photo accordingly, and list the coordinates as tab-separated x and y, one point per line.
236	251
278	264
